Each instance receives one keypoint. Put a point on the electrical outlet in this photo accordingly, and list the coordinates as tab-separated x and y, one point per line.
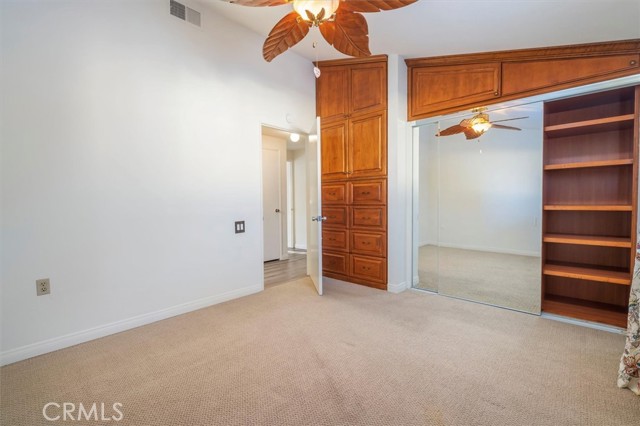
43	287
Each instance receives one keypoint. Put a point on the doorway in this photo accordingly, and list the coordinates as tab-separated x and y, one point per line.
284	205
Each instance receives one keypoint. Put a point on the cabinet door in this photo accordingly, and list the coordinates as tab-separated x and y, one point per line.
370	269
368	191
336	216
452	86
334	193
368	88
335	239
332	93
369	218
369	243
367	145
334	150
337	263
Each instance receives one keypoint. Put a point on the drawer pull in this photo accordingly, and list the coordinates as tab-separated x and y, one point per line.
366	192
366	243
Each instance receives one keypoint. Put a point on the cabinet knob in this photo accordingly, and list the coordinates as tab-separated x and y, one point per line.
495	93
632	62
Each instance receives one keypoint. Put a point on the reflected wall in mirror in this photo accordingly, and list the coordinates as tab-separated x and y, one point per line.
479	210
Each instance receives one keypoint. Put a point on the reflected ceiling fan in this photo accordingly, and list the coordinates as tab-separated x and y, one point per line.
477	125
340	23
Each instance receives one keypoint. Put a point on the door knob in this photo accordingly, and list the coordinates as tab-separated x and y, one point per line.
277	210
318	218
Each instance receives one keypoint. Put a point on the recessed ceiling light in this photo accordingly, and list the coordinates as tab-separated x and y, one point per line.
294	137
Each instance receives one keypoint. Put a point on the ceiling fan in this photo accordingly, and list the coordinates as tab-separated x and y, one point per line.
477	125
340	23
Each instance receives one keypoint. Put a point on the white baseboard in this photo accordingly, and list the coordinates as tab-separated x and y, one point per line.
397	288
56	343
416	280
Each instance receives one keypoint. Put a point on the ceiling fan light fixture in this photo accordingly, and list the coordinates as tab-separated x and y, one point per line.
481	127
480	123
313	8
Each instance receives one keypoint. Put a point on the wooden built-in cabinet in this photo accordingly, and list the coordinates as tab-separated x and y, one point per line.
352	104
443	84
590	204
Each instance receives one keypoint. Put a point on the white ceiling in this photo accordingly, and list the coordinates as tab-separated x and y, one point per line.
444	27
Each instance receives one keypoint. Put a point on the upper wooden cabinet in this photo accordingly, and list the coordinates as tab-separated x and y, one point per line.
445	84
351	88
439	88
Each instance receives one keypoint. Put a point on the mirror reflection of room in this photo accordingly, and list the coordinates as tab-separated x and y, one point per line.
479	208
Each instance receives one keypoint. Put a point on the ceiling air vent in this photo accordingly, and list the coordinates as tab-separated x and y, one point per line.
185	13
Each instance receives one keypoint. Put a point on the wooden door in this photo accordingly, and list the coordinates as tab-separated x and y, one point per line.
334	150
368	145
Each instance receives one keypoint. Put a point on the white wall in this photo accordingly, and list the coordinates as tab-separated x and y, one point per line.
399	195
131	142
490	190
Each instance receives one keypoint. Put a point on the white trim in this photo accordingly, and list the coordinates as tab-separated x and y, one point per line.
397	288
416	280
56	343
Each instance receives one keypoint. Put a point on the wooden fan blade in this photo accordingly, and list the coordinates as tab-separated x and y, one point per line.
469	133
373	5
286	33
259	3
453	130
500	126
509	119
348	33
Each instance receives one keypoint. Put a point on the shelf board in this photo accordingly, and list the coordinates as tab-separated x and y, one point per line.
592	126
587	240
585	164
590	207
590	311
587	273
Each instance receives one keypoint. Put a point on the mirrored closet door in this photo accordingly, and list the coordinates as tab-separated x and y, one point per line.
478	206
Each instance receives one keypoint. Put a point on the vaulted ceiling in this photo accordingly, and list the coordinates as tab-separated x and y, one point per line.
443	27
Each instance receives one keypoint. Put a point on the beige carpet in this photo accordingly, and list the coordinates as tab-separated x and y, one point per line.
500	279
354	356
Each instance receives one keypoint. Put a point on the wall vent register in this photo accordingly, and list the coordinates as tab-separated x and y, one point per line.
185	13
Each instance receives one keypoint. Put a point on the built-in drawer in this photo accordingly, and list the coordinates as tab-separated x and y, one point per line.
334	193
335	239
374	218
368	192
335	262
369	243
373	269
336	216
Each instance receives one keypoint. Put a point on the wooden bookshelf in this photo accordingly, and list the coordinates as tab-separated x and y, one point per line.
589	207
587	273
587	164
590	175
590	126
587	240
586	310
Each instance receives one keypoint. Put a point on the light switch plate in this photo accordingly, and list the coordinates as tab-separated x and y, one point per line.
240	227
